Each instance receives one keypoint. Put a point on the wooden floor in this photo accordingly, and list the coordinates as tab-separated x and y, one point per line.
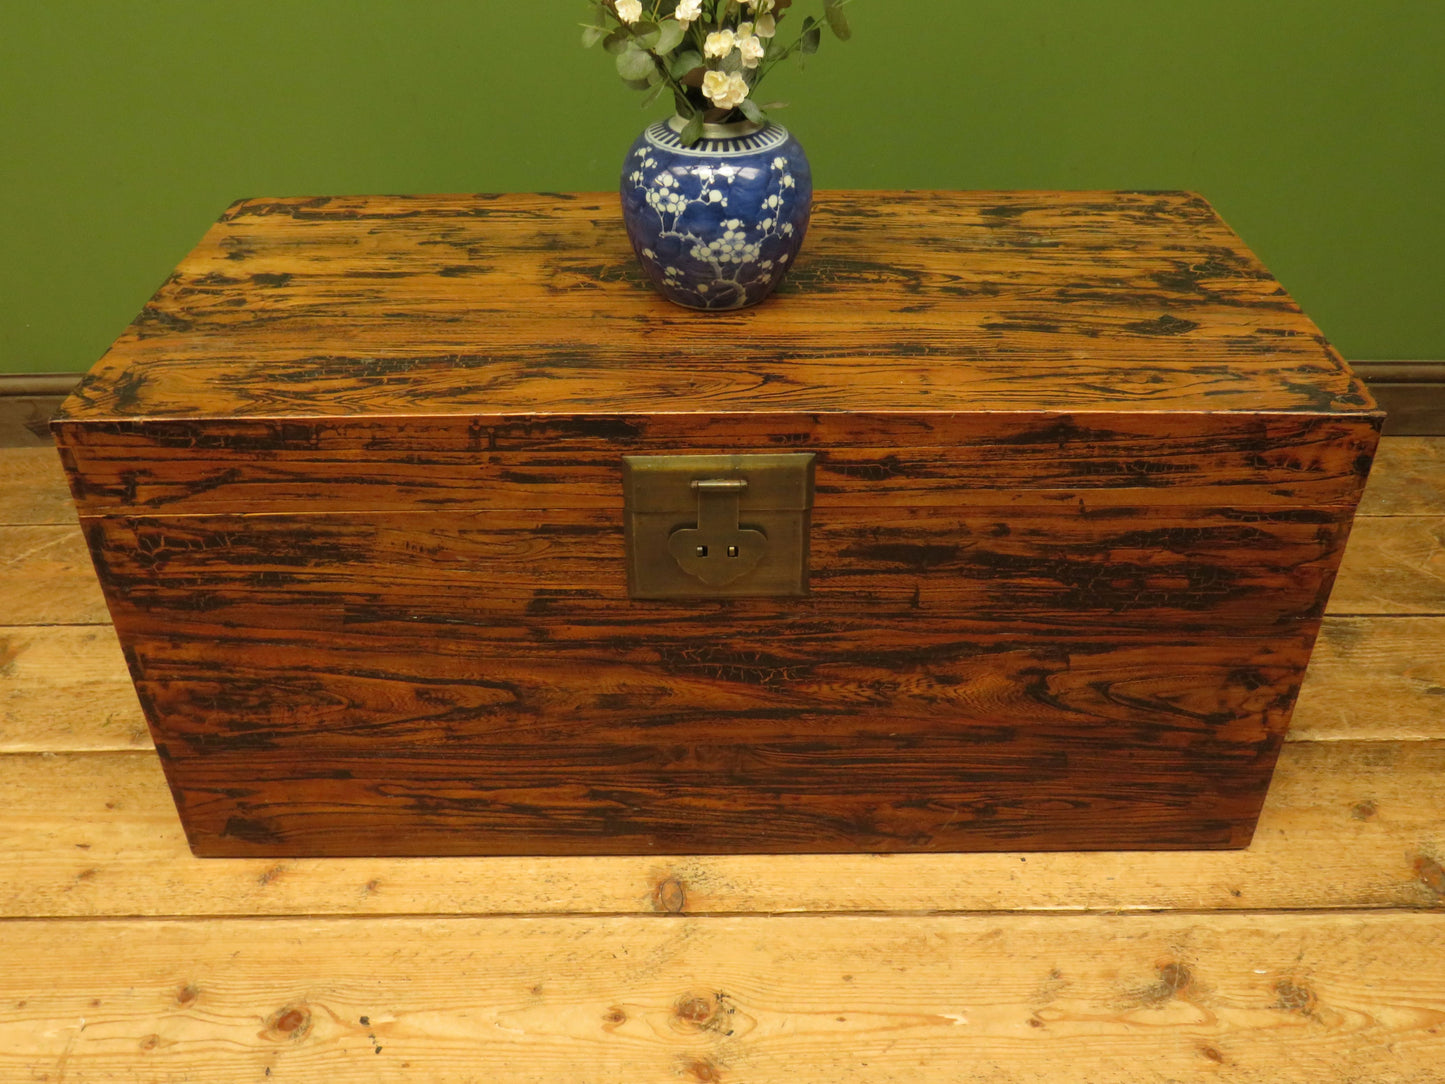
1316	955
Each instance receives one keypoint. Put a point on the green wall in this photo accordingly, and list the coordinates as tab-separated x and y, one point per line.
1316	126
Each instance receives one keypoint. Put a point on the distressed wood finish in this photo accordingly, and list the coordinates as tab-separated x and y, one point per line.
1254	461
518	306
352	486
67	689
1348	824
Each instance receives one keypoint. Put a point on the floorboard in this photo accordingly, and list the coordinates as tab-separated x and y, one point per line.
1146	999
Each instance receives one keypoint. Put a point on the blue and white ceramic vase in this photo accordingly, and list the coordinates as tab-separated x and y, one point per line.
716	225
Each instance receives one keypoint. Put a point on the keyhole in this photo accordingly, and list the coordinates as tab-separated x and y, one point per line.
702	551
732	551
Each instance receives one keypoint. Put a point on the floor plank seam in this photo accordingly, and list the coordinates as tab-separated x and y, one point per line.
589	916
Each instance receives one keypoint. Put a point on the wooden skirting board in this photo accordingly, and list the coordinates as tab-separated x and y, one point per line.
1412	392
1317	954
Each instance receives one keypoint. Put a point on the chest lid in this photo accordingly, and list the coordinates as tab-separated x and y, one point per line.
384	338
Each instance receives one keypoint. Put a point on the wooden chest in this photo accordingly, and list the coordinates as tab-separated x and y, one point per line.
1080	477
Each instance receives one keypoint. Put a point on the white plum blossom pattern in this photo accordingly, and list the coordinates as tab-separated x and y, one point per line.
697	252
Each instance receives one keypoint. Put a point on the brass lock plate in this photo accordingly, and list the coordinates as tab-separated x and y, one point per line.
717	526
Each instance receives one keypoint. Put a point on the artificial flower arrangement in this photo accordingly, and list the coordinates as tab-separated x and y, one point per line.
711	54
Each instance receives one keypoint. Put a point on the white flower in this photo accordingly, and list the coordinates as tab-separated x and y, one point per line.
766	27
753	50
725	91
760	6
629	11
687	12
719	44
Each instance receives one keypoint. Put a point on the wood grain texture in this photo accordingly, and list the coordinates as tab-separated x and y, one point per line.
1036	556
67	689
34	490
1374	678
46	578
459	685
351	483
961	678
1394	565
1347	825
474	305
903	461
1243	992
1408	478
1097	999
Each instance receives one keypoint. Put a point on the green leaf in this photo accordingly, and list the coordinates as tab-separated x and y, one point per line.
753	111
655	92
837	20
693	131
670	37
591	35
685	63
634	64
619	41
812	36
